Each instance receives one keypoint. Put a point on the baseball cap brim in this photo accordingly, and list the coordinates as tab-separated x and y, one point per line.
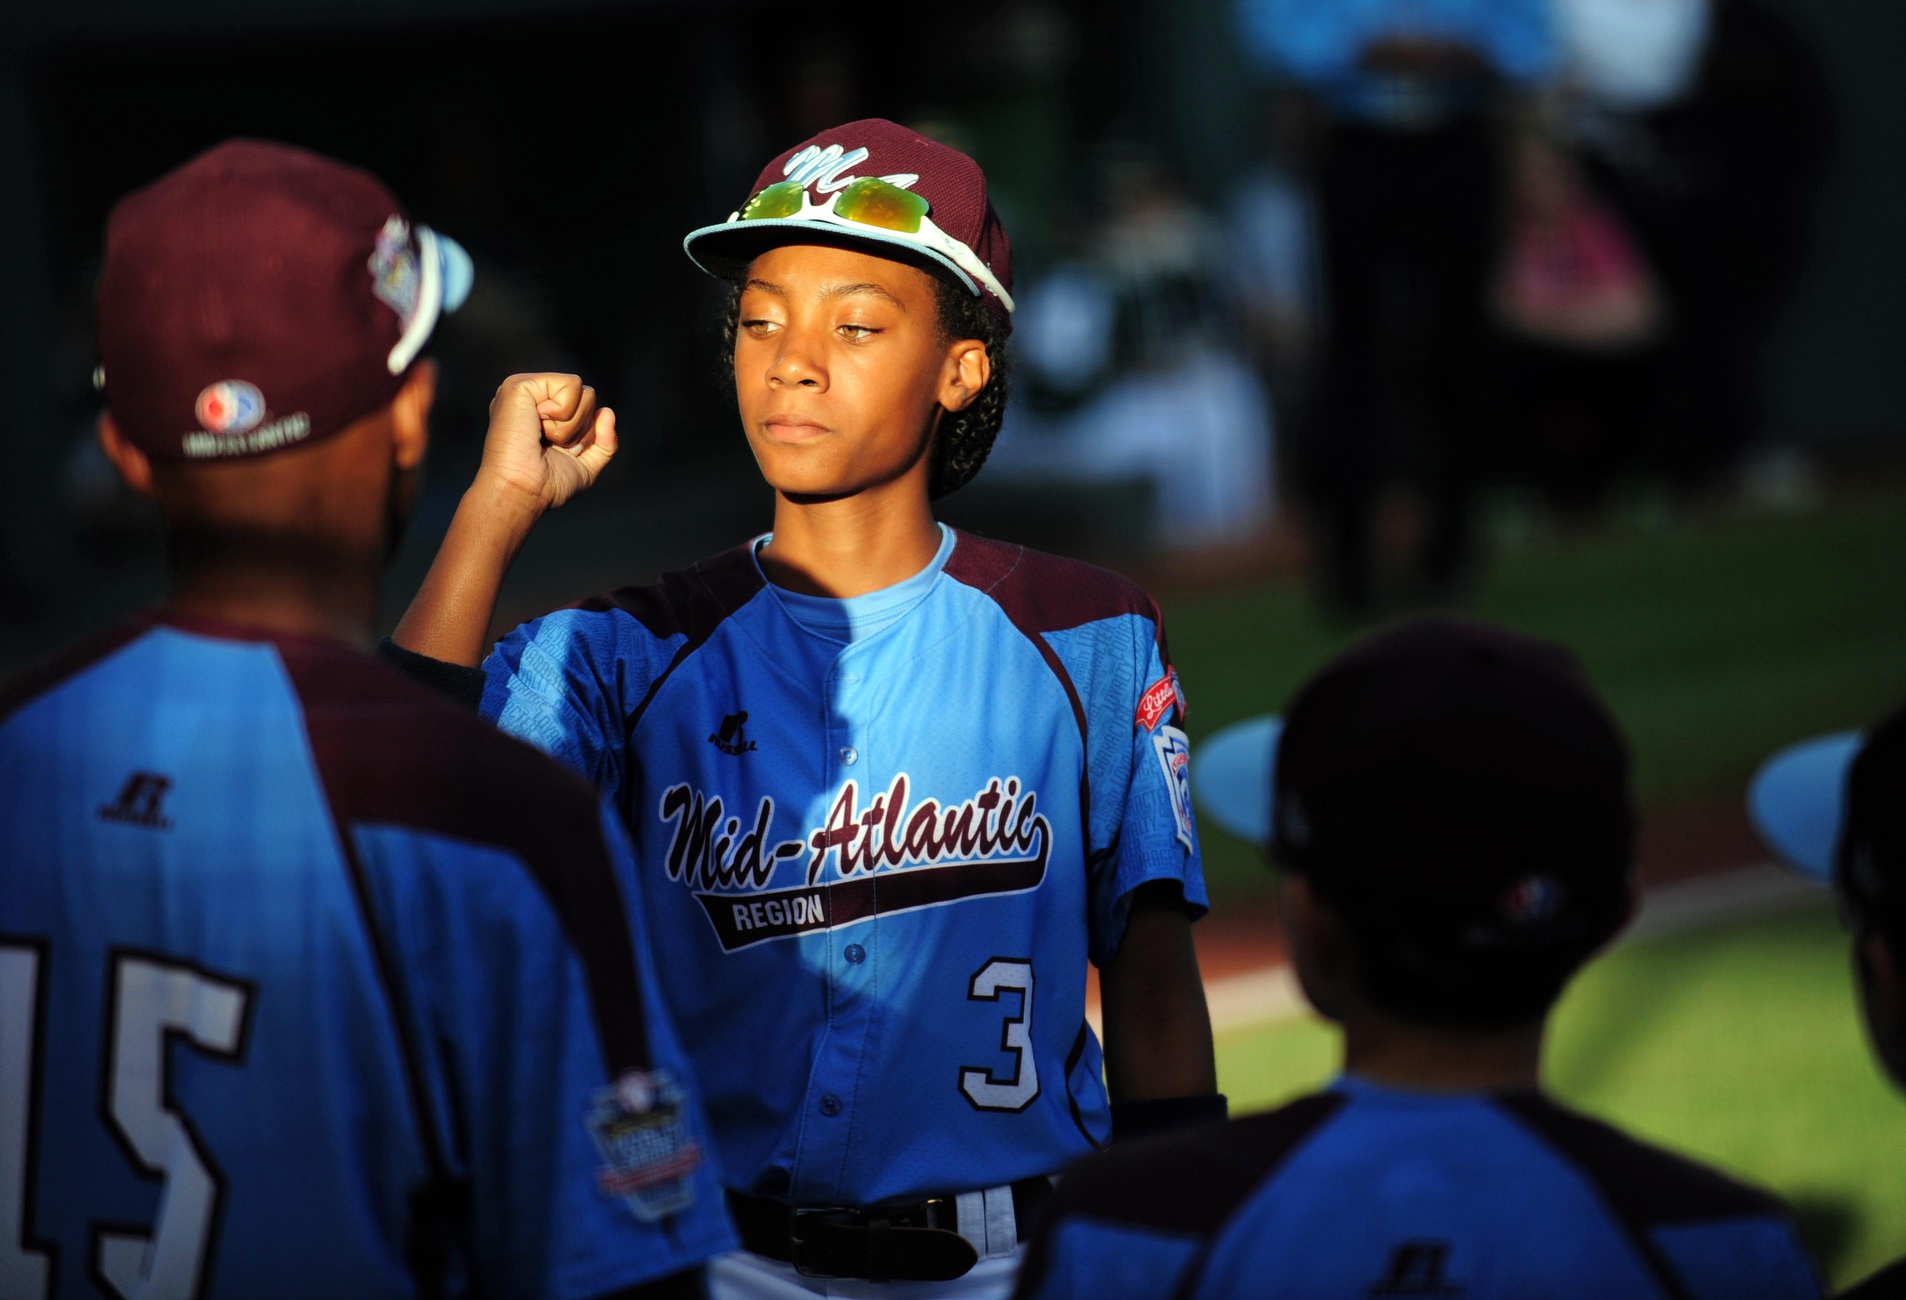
724	250
1797	802
1231	775
445	276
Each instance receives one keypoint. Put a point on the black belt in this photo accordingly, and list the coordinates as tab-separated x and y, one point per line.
916	1242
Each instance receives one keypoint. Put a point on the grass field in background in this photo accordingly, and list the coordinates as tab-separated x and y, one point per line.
1740	1046
1716	644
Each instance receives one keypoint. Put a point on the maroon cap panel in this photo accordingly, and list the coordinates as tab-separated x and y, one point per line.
239	309
952	183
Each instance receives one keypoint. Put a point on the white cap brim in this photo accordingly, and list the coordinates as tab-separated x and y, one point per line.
445	274
1797	802
1231	775
704	246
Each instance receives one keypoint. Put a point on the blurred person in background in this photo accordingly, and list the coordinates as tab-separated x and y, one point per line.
1451	807
1408	179
1134	370
1274	263
311	984
1707	125
1580	317
1835	809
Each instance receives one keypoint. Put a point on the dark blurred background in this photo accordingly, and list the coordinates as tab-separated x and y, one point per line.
1687	284
1587	316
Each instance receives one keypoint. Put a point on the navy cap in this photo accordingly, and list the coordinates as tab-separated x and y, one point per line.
1445	779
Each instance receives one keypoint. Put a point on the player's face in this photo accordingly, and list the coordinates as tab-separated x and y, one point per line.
840	370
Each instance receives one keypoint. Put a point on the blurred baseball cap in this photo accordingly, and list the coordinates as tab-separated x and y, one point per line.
261	297
1834	808
1454	789
871	182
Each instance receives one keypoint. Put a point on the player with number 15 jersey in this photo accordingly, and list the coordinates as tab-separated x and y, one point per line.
311	984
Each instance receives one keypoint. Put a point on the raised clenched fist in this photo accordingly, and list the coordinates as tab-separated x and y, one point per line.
548	439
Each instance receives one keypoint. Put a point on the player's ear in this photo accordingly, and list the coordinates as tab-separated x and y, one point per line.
1320	949
410	415
1883	995
968	370
134	466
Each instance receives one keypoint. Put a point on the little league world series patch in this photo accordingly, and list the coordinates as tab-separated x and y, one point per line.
649	1156
1174	756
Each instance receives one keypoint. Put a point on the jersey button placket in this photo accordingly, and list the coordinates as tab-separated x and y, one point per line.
849	972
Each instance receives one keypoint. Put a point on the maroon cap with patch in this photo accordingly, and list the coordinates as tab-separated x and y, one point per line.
962	235
262	297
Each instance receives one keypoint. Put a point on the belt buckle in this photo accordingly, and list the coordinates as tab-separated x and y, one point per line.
797	1243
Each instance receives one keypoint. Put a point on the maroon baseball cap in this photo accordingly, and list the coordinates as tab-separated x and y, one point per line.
261	297
960	235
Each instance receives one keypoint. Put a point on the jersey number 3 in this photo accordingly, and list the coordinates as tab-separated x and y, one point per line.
151	1001
985	1090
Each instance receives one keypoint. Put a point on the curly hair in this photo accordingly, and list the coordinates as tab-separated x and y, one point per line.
964	438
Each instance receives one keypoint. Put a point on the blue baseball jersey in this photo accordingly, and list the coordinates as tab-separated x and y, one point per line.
879	840
1371	1191
312	984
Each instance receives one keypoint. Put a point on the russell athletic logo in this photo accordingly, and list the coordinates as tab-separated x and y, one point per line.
923	855
728	738
139	802
1416	1268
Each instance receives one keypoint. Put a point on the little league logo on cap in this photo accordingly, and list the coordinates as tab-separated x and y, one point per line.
878	183
230	406
255	259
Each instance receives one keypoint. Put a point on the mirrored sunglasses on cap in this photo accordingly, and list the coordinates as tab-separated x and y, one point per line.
874	203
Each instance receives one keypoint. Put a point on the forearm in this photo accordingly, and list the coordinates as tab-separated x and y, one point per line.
1157	1028
450	617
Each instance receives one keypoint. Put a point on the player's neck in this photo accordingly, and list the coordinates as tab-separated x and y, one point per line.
301	590
1382	1049
851	545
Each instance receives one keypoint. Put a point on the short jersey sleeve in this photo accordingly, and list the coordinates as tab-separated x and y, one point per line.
569	682
1141	827
561	1098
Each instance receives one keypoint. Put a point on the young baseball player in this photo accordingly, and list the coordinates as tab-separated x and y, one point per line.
311	984
890	785
1450	804
1835	808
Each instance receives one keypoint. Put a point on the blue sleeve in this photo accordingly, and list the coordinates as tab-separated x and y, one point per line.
1138	770
1315	41
567	682
1521	40
1758	1258
579	1183
1088	1259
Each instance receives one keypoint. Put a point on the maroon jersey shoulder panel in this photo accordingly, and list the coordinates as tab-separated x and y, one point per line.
1646	1186
29	684
1187	1182
390	752
690	603
1046	593
1192	1180
687	602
